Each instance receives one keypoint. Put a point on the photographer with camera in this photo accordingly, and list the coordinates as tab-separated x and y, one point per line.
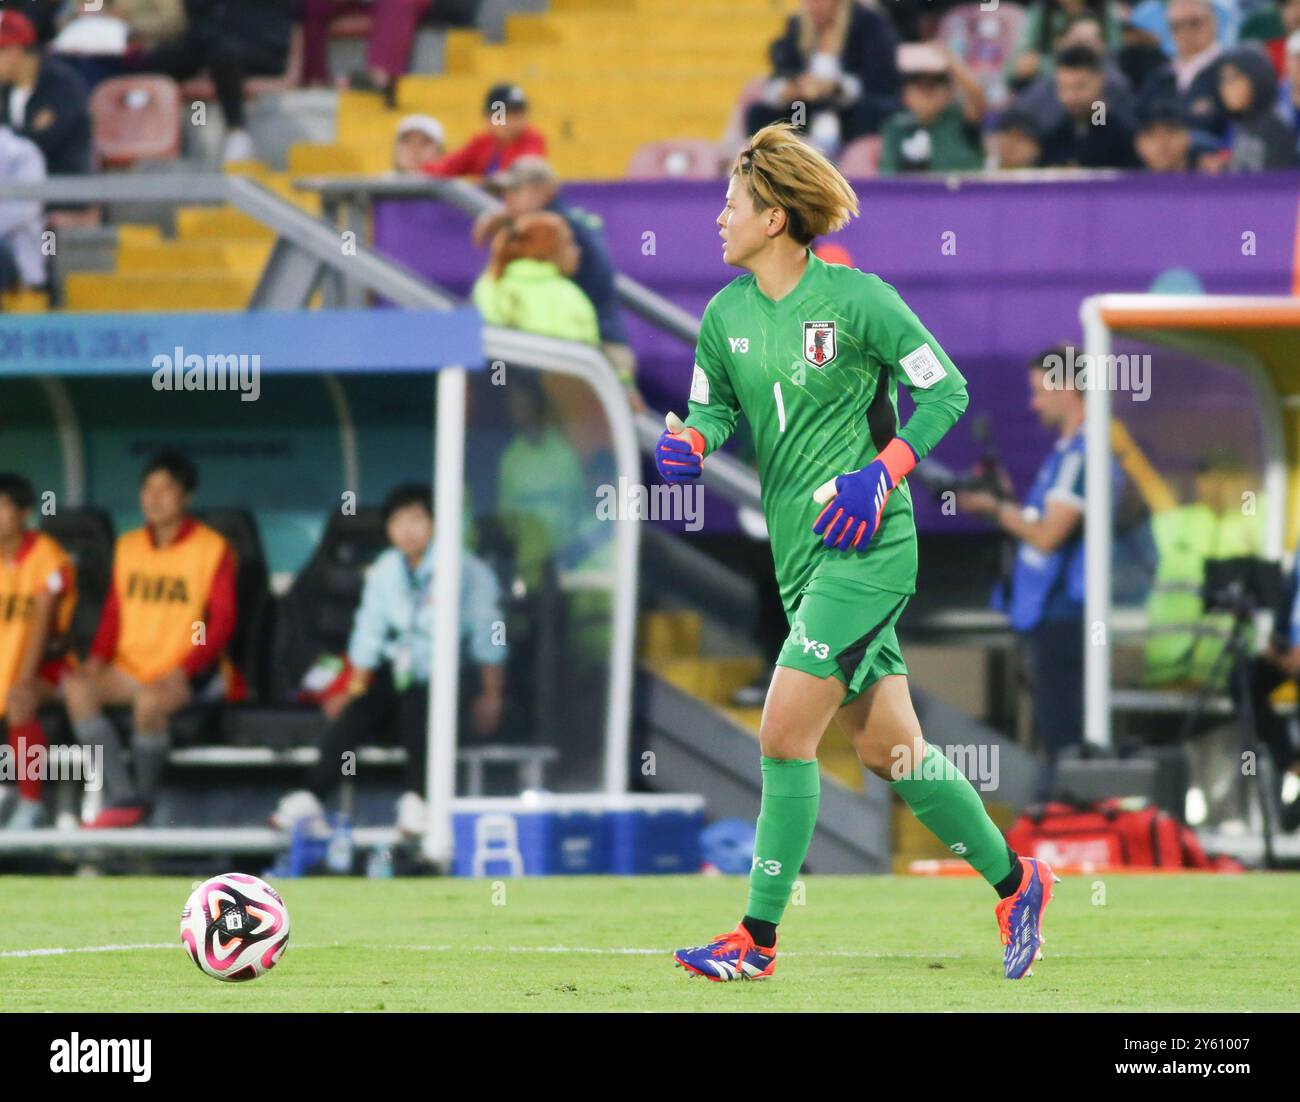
1045	599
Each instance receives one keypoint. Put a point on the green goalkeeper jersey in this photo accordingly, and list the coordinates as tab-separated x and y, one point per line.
817	375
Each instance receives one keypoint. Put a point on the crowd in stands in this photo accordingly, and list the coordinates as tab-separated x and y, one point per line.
1160	85
1168	86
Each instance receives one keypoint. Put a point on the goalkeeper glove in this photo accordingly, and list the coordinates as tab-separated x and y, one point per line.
854	502
680	452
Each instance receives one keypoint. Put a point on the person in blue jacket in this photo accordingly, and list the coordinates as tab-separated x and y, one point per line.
1045	601
390	654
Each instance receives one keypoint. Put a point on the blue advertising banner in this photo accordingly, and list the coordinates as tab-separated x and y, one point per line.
344	342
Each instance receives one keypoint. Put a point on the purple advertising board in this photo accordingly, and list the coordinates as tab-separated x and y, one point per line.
995	269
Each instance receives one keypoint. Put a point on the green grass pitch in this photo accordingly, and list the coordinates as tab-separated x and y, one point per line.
1167	942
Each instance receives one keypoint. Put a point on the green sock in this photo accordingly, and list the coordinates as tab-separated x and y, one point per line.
946	802
786	817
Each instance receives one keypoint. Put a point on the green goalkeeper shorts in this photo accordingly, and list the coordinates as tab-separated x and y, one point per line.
845	629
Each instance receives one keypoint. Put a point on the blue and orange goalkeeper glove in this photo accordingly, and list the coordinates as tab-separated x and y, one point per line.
854	502
679	454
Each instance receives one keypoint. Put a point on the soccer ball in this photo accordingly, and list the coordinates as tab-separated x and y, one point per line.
235	927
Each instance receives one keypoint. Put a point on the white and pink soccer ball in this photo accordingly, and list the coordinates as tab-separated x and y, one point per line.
235	927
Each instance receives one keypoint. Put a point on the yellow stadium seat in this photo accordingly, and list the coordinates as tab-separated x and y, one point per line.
24	302
104	292
596	89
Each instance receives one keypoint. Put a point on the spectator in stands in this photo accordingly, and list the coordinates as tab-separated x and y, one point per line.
231	40
1018	142
1141	56
37	596
1259	139
22	221
508	137
419	140
934	132
1092	133
1040	98
150	21
833	74
161	641
1271	25
1192	75
1164	141
43	98
530	185
1040	37
1045	603
526	284
44	15
1157	18
390	654
97	42
393	24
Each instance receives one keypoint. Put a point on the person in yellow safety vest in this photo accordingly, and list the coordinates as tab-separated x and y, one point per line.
1185	643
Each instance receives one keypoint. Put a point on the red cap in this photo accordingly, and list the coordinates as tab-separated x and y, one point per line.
16	30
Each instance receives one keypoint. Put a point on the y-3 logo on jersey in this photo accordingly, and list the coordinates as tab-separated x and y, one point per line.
739	344
819	345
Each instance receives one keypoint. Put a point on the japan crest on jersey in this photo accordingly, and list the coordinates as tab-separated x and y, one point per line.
819	347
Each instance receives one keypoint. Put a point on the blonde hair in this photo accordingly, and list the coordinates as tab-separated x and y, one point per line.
781	170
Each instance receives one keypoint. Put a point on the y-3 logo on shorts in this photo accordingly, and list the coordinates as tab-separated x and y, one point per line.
810	646
821	650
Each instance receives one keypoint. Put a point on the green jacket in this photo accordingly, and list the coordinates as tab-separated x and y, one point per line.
534	296
952	144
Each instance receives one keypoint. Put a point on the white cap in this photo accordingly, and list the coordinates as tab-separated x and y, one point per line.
422	124
1293	44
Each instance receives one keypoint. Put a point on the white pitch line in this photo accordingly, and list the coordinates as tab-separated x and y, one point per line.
58	952
575	949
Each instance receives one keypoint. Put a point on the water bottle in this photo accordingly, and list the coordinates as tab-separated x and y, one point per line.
338	854
379	866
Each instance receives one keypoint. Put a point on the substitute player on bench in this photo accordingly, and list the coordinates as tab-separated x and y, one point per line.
812	354
169	615
37	596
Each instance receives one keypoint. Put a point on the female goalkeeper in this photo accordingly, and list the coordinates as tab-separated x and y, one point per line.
812	354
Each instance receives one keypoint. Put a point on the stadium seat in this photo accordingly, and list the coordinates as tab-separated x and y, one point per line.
682	159
24	302
315	617
136	118
88	537
253	593
860	159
